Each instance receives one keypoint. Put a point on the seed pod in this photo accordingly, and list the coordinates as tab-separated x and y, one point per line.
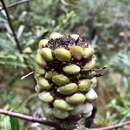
40	60
82	109
68	89
94	82
47	110
76	98
75	36
62	105
84	85
37	76
54	73
88	114
37	88
45	96
39	70
44	84
91	95
88	52
46	54
77	52
71	69
89	65
62	54
55	35
48	75
88	108
60	114
43	43
60	79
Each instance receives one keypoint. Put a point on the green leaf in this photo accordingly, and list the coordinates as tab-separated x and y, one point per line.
9	123
6	123
85	128
14	123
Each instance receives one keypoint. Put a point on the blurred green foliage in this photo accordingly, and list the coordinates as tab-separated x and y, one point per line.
106	24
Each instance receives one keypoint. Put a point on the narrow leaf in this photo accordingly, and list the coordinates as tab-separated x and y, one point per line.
6	123
14	123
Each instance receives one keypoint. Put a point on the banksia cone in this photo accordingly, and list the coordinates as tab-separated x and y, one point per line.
64	64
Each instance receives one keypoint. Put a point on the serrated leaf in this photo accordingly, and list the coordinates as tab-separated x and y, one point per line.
14	123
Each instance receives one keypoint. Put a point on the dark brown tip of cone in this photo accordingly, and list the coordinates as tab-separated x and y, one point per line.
65	42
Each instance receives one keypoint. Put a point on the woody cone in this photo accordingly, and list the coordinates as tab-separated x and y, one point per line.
65	85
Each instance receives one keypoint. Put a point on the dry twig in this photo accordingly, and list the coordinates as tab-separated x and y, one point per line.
115	126
30	118
55	124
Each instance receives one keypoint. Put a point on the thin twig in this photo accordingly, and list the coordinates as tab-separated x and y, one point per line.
120	125
30	118
25	76
16	3
55	124
19	48
11	27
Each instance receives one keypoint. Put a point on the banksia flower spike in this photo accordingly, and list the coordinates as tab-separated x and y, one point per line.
64	84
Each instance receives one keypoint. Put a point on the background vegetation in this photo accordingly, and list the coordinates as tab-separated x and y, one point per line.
106	24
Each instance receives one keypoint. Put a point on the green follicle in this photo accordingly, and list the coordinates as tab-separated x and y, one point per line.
60	79
68	89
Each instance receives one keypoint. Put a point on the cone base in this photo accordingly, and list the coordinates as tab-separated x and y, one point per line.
72	123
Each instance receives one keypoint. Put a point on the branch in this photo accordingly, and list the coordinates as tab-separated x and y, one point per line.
11	27
16	3
120	125
55	124
30	118
19	48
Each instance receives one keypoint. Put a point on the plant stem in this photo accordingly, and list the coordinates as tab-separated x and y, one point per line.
30	118
11	27
120	125
55	124
18	46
